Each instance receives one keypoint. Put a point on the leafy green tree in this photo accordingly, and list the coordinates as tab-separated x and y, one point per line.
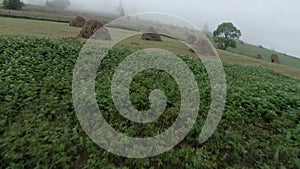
13	4
61	4
227	35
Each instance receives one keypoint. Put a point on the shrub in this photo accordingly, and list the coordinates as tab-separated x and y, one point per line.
13	4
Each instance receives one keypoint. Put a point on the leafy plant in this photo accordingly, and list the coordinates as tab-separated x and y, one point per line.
39	128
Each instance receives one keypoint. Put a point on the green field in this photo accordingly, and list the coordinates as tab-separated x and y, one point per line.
13	27
39	127
44	13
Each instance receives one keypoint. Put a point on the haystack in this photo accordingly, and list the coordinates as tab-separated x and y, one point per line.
151	35
102	34
275	59
203	47
259	57
90	28
220	46
191	39
78	22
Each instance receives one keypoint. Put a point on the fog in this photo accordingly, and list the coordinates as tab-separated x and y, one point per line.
273	24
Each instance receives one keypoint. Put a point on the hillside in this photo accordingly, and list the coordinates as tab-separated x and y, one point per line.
39	127
252	51
52	14
14	27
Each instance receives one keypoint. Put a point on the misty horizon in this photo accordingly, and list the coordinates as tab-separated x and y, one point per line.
270	23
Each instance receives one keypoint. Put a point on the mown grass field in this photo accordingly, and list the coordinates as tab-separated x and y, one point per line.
253	51
45	13
13	27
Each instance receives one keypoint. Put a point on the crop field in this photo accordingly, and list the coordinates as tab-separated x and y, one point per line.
39	128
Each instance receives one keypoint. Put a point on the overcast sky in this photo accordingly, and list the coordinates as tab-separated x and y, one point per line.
274	24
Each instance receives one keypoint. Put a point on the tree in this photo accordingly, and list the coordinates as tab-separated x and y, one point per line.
120	9
227	35
206	31
206	28
13	4
61	4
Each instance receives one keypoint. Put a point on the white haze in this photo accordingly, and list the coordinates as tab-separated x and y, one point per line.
273	24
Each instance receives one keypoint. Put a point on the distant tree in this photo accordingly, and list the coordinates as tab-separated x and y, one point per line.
206	31
227	35
35	2
120	9
206	28
61	4
13	4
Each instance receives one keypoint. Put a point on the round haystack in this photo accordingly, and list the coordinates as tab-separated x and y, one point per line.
191	39
78	22
275	59
151	35
203	47
259	57
90	28
102	34
220	46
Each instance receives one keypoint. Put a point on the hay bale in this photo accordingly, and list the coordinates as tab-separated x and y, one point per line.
90	28
259	57
220	46
191	39
203	47
79	21
151	35
275	59
102	34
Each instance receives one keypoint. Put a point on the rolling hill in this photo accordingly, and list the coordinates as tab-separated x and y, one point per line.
253	51
39	127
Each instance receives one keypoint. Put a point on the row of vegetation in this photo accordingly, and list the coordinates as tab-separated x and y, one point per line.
38	126
12	4
18	4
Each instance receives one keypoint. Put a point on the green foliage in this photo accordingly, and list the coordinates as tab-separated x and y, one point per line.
13	4
62	4
39	129
227	35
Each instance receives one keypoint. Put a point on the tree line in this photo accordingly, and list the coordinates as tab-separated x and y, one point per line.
18	4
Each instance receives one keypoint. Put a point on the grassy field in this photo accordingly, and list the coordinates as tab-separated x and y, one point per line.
45	13
253	51
13	27
135	43
54	30
232	58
